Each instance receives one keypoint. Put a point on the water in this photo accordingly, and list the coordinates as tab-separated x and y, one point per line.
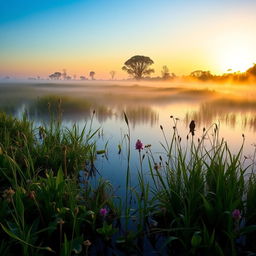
147	106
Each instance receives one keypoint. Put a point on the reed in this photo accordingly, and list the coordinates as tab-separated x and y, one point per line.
196	198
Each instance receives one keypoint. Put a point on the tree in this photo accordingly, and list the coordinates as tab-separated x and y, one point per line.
55	76
201	75
138	66
82	78
252	70
92	74
165	73
112	74
64	74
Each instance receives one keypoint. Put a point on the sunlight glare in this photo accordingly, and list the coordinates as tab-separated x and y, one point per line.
236	58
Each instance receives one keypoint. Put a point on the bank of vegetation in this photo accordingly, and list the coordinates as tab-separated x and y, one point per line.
196	199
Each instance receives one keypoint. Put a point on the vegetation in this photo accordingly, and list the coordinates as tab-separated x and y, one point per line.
55	76
201	75
138	66
92	74
112	74
196	199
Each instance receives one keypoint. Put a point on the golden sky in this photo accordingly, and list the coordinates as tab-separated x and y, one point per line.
82	36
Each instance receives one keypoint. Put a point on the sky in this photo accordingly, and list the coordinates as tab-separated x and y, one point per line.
39	37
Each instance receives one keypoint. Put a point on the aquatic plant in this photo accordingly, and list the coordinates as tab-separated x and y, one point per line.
196	197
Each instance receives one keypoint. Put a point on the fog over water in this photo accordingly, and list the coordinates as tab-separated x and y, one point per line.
147	105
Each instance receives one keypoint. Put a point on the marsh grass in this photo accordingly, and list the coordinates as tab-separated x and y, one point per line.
182	203
43	208
196	189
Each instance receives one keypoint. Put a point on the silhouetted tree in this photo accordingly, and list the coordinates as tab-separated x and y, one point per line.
64	74
55	76
112	74
201	75
252	70
173	75
92	74
165	73
138	66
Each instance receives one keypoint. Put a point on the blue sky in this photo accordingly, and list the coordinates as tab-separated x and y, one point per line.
38	37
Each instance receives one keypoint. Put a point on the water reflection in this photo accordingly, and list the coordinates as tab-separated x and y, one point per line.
232	112
141	115
68	108
142	103
76	109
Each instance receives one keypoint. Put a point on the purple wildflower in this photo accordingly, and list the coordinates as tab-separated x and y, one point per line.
103	212
139	145
236	214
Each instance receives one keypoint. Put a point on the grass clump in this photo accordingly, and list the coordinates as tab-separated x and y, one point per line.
48	204
195	198
202	196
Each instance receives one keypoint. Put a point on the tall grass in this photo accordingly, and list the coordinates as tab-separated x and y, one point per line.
44	207
196	188
197	198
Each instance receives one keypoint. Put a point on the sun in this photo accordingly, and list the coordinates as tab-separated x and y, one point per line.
235	58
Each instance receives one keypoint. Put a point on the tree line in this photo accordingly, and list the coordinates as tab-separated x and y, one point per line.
138	67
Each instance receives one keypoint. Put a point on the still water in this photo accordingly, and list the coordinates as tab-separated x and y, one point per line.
147	106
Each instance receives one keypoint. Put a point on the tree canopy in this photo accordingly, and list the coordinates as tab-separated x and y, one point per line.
138	66
165	73
201	75
55	76
252	70
92	74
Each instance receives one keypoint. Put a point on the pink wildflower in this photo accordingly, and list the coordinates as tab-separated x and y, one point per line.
139	145
236	214
103	212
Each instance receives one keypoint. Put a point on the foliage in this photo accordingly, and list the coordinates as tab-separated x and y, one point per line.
112	74
92	74
138	66
252	70
201	75
165	73
55	75
197	198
